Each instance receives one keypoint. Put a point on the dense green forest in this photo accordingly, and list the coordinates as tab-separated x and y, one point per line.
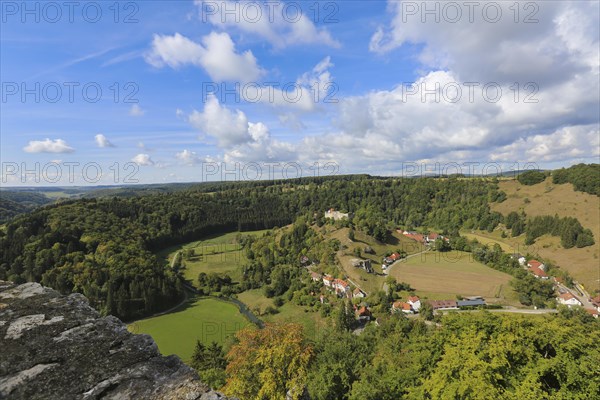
584	177
468	356
105	247
15	203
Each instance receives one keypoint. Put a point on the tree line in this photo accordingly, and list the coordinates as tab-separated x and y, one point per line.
469	356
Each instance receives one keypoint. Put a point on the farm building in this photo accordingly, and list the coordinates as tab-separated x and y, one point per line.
471	303
444	304
363	314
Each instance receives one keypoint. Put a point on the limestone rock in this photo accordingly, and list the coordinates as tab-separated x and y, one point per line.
58	347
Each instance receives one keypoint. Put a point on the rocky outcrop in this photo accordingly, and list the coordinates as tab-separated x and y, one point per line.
58	347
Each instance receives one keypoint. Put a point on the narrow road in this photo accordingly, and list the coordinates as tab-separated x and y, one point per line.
526	311
354	283
174	258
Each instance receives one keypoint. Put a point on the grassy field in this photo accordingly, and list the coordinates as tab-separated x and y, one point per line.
204	319
289	312
220	253
445	275
546	198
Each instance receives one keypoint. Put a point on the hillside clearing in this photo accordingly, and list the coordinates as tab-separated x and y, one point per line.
219	254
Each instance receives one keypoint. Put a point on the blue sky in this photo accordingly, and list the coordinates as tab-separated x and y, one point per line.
152	60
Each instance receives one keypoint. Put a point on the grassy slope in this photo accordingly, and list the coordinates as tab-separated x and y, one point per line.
445	275
289	312
219	254
203	319
369	282
549	199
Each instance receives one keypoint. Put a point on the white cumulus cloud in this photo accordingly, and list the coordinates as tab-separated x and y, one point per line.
142	159
187	157
281	24
217	55
227	126
102	141
48	146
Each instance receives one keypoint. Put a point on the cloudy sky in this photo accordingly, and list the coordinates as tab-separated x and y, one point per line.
178	91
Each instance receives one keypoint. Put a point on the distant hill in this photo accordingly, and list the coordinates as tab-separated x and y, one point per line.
15	203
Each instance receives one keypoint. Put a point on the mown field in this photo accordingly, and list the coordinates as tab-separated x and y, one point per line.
545	198
204	319
444	275
220	253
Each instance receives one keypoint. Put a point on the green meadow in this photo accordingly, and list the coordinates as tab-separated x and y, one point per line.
204	319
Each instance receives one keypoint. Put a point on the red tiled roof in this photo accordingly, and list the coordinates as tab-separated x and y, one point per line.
413	299
433	235
567	296
401	305
538	271
534	263
596	300
341	282
415	236
363	311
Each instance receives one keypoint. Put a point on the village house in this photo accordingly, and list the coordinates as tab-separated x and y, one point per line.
415	302
363	314
444	305
538	272
596	302
341	287
433	236
400	306
391	258
536	264
592	312
357	293
328	281
568	300
414	236
335	215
